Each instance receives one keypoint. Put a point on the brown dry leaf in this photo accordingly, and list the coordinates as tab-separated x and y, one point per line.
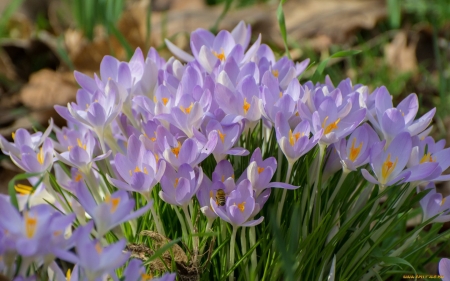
47	88
399	55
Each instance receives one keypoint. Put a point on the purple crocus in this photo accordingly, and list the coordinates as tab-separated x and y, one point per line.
178	188
428	151
239	206
444	269
36	233
388	164
23	138
228	136
296	143
260	172
136	271
94	259
210	50
334	123
116	208
205	192
191	151
81	152
355	151
390	121
433	203
35	162
138	170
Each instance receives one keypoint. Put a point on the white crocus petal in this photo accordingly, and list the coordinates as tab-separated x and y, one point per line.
206	59
178	52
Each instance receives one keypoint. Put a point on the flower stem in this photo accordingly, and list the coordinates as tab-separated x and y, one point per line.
316	193
158	224
231	258
244	248
183	224
283	196
254	258
192	229
279	162
344	175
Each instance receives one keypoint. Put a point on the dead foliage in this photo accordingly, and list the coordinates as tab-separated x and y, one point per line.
185	270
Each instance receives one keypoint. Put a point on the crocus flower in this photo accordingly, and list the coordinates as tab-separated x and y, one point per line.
239	206
23	138
433	204
228	136
137	171
355	151
35	162
388	165
444	269
37	233
191	151
210	50
296	143
335	124
116	208
260	172
81	152
178	188
390	121
136	271
96	260
428	151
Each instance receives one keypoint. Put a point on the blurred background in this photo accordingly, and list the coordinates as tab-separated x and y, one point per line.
405	46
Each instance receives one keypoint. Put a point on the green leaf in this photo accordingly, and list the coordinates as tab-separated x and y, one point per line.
121	39
397	261
12	190
7	14
249	252
282	25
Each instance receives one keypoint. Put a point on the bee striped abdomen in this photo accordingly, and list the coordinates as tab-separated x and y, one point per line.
220	197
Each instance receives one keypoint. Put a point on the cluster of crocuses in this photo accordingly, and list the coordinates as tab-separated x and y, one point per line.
150	122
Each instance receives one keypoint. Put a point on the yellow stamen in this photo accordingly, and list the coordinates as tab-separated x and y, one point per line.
78	177
156	157
176	150
114	202
328	129
220	56
246	106
281	94
13	135
154	99
241	206
68	275
187	110
23	189
65	137
275	73
388	166
80	144
297	114
40	156
98	248
293	138
30	225
57	233
165	100
221	136
354	152
427	158
137	169
146	277
223	178
175	185
260	170
443	200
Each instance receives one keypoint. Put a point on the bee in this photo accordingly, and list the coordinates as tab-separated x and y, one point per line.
220	197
